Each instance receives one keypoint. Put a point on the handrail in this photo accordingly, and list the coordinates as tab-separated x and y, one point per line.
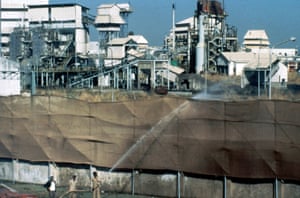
120	66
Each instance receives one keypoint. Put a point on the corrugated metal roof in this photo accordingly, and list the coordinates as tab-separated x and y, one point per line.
119	41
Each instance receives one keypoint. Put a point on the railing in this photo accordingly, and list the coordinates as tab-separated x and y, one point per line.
99	73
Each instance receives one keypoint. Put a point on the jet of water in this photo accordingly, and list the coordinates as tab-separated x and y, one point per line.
154	131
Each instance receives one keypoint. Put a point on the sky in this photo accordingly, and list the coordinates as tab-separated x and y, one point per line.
153	18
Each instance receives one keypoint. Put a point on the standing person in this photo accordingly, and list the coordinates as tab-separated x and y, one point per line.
95	185
72	186
52	187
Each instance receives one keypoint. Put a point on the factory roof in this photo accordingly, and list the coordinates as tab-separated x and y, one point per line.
119	41
139	39
57	5
185	25
252	60
256	38
256	34
174	69
124	7
186	21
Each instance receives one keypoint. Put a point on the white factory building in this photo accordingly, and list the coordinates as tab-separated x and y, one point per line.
70	17
14	13
253	63
36	13
10	77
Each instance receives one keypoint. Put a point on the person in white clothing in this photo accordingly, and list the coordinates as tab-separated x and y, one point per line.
52	187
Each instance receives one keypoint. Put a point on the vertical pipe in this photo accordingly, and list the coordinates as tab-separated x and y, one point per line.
265	77
128	78
117	78
47	78
42	79
33	85
200	49
276	188
91	171
270	74
173	26
258	83
132	182
49	169
178	184
168	76
154	74
15	169
225	187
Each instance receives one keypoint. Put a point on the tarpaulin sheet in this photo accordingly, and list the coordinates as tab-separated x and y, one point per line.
245	139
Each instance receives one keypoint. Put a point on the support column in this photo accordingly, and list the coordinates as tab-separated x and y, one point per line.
276	188
15	170
178	184
225	187
133	182
33	85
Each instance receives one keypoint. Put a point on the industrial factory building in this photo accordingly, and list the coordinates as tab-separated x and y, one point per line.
14	13
196	42
57	47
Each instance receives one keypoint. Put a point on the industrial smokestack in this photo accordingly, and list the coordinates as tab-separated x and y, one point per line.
173	27
200	49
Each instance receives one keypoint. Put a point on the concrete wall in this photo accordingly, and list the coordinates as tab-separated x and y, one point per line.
140	183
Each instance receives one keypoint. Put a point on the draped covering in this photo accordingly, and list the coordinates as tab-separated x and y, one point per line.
244	139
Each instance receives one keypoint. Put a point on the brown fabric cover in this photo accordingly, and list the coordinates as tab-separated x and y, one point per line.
246	139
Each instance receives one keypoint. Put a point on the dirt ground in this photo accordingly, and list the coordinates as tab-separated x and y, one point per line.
41	192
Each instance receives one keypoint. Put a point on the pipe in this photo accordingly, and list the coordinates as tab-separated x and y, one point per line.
33	85
132	182
15	168
225	187
173	29
276	188
178	184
